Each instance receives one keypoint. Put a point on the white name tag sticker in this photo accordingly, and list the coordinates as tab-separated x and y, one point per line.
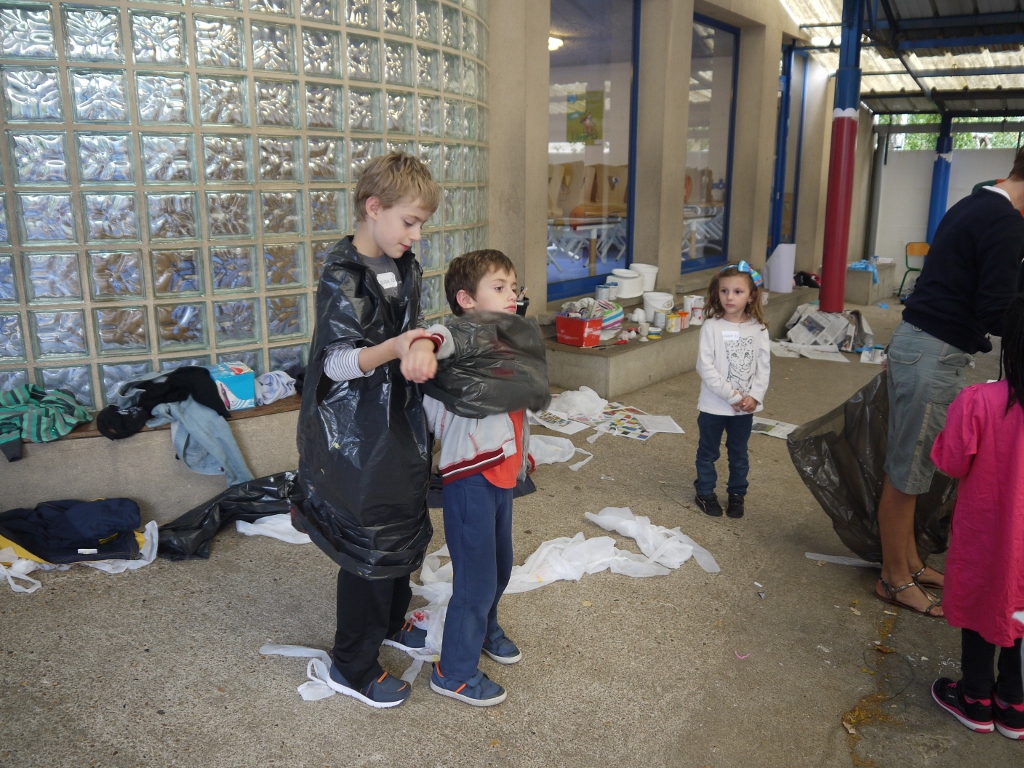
730	335
387	280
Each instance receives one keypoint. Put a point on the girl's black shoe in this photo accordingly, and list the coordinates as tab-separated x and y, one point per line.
709	505
735	508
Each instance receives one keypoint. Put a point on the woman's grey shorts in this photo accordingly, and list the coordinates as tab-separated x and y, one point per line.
924	374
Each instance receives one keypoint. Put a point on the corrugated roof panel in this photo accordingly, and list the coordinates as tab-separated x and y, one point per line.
888	83
903	92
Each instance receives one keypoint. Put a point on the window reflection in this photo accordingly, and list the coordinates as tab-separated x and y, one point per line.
589	137
708	146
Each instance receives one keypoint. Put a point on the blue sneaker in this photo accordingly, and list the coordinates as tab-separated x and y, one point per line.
479	690
502	650
408	638
382	692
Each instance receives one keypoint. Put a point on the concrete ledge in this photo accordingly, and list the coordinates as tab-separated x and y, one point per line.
614	370
142	467
861	288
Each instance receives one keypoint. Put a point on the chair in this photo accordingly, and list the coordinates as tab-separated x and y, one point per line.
913	251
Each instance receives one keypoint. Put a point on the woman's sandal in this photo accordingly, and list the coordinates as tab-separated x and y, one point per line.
925	584
891	593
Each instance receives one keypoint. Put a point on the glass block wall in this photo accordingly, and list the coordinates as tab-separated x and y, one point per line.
173	174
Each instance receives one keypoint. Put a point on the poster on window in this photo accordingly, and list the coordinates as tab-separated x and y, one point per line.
585	117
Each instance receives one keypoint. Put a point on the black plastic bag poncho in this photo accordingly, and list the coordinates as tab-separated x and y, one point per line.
840	457
364	448
499	365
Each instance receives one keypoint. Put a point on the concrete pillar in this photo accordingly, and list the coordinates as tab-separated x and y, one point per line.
750	188
663	109
517	187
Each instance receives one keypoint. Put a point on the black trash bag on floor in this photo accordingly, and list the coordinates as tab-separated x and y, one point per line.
840	458
190	535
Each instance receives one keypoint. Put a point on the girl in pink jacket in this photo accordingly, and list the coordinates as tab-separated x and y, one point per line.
982	444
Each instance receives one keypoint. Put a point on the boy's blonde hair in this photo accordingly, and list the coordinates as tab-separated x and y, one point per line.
394	177
466	271
713	304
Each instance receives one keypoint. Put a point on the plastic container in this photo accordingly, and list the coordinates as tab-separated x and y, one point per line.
648	272
654	300
578	332
613	290
672	323
684	320
631	284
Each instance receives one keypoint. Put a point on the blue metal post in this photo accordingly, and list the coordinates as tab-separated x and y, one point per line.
940	175
781	144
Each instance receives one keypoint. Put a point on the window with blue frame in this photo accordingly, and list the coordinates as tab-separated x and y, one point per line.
709	137
590	129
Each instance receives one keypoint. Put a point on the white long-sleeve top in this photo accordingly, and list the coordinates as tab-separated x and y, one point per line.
733	360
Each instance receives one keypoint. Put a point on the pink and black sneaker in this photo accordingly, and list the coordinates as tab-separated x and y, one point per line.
975	714
1009	718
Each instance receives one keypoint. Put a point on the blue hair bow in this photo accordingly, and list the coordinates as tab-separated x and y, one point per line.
744	267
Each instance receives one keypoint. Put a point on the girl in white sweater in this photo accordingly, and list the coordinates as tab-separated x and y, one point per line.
734	362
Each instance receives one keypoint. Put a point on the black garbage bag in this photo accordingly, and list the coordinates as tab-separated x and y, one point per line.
840	458
499	365
190	535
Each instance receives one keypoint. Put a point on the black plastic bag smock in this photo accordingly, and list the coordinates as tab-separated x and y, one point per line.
499	365
840	457
364	448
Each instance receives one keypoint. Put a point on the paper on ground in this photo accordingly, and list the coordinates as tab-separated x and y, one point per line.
274	526
783	349
842	560
659	424
832	355
772	428
558	422
876	356
560	559
318	670
19	566
819	328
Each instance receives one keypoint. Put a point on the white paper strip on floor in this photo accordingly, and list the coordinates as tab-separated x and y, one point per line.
275	526
562	559
842	560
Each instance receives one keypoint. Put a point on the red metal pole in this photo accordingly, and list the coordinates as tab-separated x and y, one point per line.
837	210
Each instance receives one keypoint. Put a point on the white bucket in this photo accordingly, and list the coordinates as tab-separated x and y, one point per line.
649	272
654	301
630	283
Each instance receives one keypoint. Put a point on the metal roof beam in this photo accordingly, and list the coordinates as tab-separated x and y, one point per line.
1015	69
976	41
994	127
964	20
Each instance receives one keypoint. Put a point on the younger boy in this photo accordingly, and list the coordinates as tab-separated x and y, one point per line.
364	451
480	463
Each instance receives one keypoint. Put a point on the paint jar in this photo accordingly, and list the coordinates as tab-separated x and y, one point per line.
613	290
684	320
672	323
603	293
660	316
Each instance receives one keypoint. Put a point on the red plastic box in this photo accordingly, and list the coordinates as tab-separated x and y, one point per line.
578	332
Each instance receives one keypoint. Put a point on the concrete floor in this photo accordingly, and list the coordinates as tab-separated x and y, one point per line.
160	667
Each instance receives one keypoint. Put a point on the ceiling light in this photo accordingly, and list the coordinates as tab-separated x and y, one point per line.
821	42
554	43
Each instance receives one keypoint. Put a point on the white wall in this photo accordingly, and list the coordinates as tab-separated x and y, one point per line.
907	185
